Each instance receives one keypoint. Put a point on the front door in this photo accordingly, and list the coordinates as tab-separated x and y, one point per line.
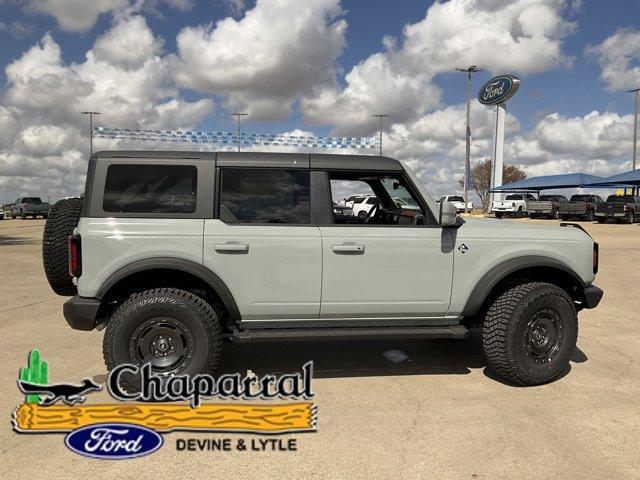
388	264
263	245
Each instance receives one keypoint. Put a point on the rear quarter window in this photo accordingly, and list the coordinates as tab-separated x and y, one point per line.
150	189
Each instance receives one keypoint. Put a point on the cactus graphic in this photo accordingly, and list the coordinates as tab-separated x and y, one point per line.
36	372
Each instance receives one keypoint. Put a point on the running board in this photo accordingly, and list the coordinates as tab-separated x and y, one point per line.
283	335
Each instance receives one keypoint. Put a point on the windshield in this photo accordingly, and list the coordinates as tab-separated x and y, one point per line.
399	194
513	197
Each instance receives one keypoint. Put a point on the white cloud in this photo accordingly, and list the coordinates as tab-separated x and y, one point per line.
128	44
524	36
42	134
619	58
77	15
265	60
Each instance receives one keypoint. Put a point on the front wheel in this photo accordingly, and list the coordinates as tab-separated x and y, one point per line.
23	216
529	333
174	331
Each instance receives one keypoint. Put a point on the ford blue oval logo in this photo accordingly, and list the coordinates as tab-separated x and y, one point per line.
498	90
113	441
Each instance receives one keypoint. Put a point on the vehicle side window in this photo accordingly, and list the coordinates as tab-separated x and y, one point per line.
265	196
150	189
391	200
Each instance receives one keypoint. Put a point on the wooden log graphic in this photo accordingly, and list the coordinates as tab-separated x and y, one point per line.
238	417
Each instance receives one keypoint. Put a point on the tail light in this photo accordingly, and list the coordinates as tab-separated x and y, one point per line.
513	204
596	257
75	255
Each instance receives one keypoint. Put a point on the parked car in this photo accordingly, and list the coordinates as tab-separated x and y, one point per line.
458	202
352	199
580	206
513	204
29	207
621	208
342	210
363	205
546	205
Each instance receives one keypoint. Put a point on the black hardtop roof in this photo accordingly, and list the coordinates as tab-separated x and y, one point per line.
265	159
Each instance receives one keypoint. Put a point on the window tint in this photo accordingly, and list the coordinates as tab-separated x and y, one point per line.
150	189
265	196
31	200
513	197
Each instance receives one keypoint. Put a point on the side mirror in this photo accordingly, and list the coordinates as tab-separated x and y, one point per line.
447	215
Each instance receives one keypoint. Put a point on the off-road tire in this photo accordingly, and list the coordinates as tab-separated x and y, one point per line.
505	327
61	221
194	313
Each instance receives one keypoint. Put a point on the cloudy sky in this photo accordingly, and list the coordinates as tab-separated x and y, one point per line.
317	66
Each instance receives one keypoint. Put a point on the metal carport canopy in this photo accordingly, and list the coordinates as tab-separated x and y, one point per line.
632	177
548	182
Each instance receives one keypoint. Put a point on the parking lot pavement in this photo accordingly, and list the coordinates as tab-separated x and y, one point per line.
435	413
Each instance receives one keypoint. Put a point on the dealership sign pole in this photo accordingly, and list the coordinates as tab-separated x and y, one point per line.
496	92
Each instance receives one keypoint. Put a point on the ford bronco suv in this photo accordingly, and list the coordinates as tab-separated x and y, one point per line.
174	253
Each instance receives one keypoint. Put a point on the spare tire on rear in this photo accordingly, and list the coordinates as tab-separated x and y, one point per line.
63	218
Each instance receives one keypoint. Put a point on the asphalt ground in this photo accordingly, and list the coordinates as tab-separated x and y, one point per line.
436	412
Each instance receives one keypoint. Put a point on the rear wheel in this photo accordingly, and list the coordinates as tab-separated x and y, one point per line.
61	221
174	331
498	214
601	219
529	333
23	215
13	216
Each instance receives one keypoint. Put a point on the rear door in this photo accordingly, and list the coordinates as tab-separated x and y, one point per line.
262	243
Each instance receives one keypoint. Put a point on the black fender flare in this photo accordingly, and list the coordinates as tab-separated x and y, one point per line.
183	265
490	279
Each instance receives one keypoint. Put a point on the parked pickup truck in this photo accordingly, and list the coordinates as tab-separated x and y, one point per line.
513	203
546	205
29	207
580	206
458	202
622	208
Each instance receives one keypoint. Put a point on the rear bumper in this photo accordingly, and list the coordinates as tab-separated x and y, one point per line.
592	296
81	312
611	214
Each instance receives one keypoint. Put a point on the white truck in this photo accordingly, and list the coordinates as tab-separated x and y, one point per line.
457	201
514	204
173	253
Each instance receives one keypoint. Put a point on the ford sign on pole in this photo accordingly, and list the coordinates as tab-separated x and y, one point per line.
496	92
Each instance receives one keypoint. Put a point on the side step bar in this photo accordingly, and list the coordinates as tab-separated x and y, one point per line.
281	335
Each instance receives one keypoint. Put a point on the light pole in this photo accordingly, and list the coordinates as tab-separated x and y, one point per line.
380	116
636	93
238	117
467	164
91	114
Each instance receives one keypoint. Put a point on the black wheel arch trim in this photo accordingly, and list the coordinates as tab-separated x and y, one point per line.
183	265
490	279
